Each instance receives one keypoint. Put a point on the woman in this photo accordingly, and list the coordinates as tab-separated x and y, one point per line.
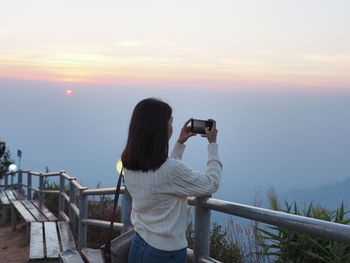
159	185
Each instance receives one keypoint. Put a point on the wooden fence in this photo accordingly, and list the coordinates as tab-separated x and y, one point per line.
77	196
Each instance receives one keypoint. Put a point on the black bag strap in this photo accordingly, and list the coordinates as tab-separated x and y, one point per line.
107	248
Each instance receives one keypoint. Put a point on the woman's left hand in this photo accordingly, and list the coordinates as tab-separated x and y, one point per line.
185	133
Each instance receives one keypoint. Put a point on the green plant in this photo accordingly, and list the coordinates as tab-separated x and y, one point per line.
5	161
222	248
100	209
290	246
51	200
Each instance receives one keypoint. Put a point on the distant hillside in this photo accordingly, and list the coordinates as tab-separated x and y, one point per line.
329	196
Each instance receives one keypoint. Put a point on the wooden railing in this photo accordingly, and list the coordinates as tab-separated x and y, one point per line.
77	197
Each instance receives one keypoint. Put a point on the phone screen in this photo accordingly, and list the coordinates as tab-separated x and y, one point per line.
198	126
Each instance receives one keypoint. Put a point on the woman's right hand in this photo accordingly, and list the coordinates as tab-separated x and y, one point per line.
185	133
211	134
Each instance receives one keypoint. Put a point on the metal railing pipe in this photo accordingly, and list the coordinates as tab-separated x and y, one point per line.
102	191
62	215
82	227
20	181
41	188
72	199
11	179
126	210
50	191
208	260
202	230
51	174
61	197
35	189
35	173
65	197
29	183
312	226
77	185
102	223
75	209
63	173
6	181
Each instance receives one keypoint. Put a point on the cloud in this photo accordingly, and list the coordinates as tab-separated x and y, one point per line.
129	44
336	58
2	32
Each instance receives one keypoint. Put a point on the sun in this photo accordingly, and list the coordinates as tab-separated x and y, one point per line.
69	92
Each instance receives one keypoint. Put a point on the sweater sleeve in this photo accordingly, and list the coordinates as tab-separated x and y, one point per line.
177	151
186	182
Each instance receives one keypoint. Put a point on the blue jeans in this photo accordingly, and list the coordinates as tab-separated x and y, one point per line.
141	252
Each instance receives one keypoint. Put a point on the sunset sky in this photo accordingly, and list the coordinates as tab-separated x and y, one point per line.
274	74
214	44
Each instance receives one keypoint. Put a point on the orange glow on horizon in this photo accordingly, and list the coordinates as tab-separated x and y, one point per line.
170	72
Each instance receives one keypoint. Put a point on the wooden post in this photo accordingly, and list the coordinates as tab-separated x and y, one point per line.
29	183
126	210
6	181
11	179
61	200
13	217
72	199
202	230
41	188
83	213
20	181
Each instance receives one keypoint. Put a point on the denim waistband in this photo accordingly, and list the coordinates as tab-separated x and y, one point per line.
140	241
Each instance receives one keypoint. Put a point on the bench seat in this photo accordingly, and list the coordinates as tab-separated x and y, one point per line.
49	239
30	211
6	197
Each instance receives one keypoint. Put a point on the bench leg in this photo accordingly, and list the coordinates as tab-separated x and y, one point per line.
28	233
5	214
13	218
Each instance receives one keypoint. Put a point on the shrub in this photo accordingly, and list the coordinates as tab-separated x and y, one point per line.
290	246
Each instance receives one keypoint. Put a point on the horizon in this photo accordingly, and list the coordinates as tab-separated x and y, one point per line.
267	138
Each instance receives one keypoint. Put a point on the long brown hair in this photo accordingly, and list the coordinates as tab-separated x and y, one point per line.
148	142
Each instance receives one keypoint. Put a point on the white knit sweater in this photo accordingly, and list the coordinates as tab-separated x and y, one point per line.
159	207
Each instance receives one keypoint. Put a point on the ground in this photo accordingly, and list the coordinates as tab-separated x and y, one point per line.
13	247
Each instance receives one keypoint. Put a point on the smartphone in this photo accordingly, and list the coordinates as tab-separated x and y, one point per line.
198	126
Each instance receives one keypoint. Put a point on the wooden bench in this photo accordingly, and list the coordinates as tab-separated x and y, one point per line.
53	241
6	197
30	211
88	254
50	239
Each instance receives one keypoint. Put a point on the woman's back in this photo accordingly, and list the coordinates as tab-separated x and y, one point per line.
159	210
159	216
